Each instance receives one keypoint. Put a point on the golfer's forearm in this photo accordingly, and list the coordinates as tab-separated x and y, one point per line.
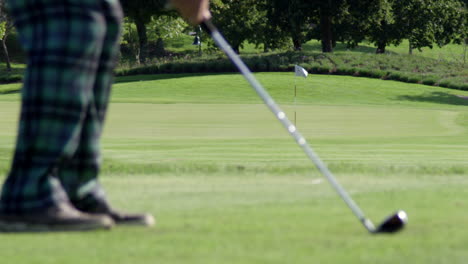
194	11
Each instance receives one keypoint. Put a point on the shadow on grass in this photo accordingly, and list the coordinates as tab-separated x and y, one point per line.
435	97
15	69
13	76
13	91
317	47
139	78
162	76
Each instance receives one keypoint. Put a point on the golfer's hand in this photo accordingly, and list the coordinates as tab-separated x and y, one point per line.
194	11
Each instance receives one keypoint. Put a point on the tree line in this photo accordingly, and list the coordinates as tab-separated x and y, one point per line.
276	24
271	23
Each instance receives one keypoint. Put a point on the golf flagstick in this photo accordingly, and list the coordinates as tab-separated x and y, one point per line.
392	224
298	71
295	97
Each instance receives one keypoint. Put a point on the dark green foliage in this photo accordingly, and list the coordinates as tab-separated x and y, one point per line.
240	21
430	80
364	72
140	12
423	22
15	50
292	17
345	70
414	78
6	28
449	84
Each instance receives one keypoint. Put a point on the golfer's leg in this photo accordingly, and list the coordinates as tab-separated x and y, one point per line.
63	41
79	174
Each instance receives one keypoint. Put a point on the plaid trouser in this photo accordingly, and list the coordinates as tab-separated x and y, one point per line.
72	46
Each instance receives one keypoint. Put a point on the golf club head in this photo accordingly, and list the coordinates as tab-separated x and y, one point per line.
393	223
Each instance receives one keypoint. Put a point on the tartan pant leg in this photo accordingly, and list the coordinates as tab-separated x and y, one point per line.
63	40
79	174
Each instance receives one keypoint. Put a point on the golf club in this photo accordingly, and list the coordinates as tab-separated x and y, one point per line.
391	224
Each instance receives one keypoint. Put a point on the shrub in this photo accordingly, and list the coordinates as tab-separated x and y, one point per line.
321	69
378	74
414	78
345	70
198	67
364	72
430	80
448	83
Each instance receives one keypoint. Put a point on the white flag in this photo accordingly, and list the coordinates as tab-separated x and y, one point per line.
301	72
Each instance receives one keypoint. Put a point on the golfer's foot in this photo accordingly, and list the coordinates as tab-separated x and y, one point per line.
120	218
131	219
61	217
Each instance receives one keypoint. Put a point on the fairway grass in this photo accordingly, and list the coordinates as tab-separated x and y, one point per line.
228	185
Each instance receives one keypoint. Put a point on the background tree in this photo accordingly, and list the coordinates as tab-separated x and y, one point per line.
463	36
140	12
328	10
415	18
327	20
423	22
451	23
270	36
130	43
347	20
356	18
165	27
6	27
239	20
385	31
294	17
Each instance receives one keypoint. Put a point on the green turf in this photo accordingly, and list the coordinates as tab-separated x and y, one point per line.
228	185
319	89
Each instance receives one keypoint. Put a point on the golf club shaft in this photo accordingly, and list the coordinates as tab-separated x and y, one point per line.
281	116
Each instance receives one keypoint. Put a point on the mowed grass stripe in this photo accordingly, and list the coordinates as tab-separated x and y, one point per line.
247	121
254	121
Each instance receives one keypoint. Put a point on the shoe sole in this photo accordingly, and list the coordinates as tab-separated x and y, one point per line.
20	227
147	220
